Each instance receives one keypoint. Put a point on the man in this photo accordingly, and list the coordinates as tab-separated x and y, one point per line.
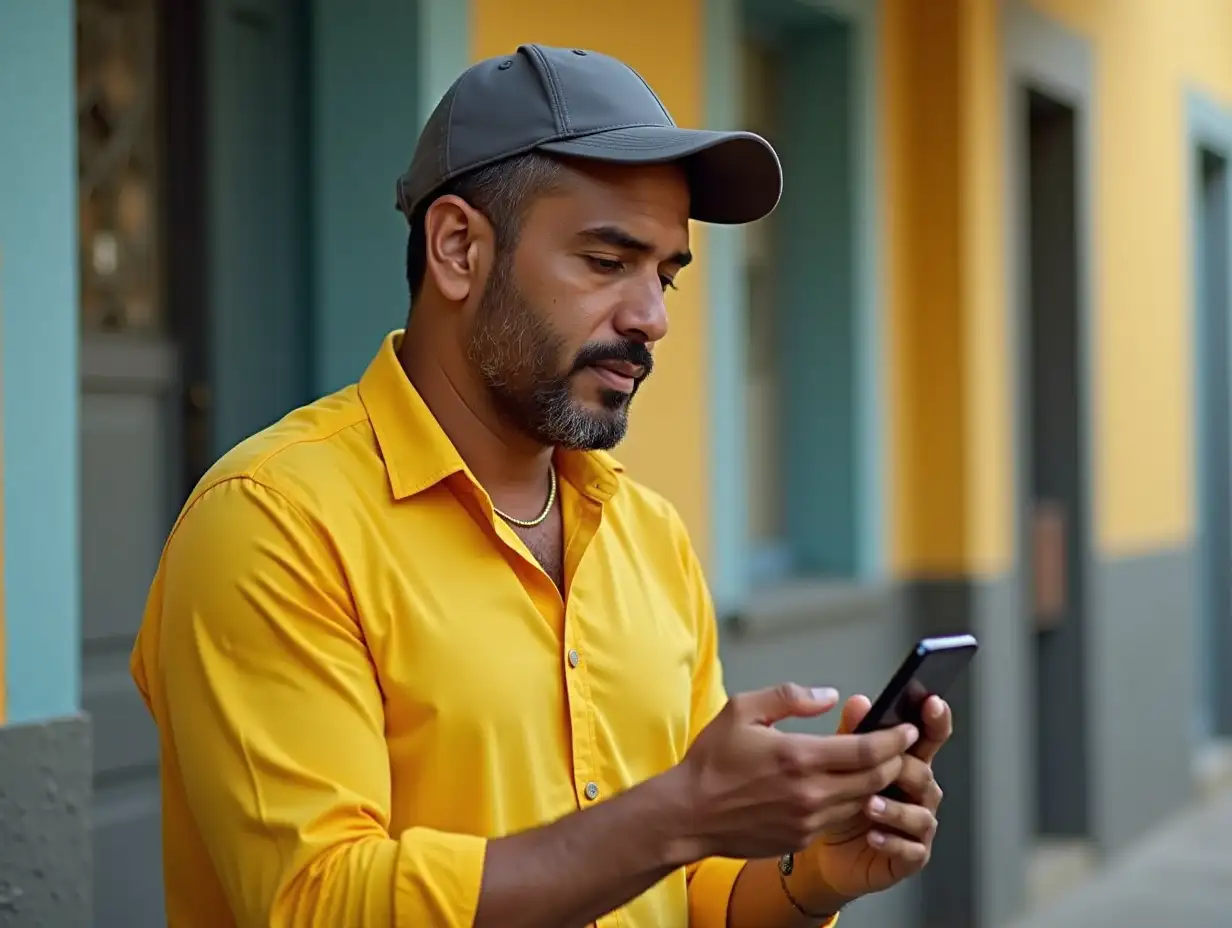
420	655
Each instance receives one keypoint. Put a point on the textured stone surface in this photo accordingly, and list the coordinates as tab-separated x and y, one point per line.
45	785
1180	874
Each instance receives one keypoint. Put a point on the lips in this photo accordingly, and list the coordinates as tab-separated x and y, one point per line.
622	369
618	375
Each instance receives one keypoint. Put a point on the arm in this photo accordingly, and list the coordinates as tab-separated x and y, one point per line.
278	720
726	893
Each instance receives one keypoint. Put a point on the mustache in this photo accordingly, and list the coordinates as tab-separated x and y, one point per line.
629	352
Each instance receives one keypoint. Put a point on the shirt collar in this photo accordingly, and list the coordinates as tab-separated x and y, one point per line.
417	452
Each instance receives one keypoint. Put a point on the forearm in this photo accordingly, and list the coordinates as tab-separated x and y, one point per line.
588	863
758	900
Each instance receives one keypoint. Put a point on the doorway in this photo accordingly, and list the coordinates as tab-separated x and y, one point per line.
1056	499
192	171
1214	458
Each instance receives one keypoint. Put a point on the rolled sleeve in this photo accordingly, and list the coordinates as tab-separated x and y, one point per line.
710	888
439	877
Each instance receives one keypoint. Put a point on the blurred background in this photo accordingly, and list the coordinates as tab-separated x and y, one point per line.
972	375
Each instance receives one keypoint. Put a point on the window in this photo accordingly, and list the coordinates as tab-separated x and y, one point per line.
805	465
118	146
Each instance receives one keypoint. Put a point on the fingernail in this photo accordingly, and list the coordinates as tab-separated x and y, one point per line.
935	709
825	693
912	735
878	804
876	838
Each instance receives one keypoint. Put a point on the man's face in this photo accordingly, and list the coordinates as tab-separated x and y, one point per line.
564	332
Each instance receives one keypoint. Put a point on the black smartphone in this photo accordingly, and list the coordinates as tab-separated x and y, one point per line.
931	668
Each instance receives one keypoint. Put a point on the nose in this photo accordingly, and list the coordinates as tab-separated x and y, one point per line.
642	315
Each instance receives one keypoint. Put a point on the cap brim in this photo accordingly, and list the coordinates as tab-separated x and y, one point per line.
734	177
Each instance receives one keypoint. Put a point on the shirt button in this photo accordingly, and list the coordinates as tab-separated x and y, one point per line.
574	658
592	790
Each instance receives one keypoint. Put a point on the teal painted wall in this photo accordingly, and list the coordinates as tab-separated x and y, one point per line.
378	66
38	357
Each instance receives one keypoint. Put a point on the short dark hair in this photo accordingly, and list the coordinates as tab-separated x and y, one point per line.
501	191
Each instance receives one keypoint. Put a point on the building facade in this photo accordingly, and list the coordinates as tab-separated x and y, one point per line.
973	374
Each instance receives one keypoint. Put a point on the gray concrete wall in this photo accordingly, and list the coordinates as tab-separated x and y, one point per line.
1142	679
45	872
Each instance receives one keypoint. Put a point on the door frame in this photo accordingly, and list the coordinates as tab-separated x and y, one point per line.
1043	57
1208	128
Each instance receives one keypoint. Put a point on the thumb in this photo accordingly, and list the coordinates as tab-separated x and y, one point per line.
788	700
853	713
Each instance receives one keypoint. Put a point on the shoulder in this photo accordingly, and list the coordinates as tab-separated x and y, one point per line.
314	452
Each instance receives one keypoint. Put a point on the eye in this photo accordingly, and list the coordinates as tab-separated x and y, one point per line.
605	265
667	282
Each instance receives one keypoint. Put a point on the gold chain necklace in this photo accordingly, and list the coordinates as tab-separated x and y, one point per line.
547	507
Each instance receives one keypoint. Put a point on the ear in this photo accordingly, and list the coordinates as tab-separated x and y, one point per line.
459	242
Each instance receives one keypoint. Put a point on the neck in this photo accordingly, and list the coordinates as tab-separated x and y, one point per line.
511	468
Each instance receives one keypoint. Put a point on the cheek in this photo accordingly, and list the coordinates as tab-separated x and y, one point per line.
577	304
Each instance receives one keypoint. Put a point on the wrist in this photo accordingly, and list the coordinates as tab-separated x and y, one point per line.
812	890
675	819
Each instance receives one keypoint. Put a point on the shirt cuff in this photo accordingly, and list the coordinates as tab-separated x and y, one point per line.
710	890
439	877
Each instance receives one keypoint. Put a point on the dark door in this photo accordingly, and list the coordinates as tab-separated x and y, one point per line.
193	334
1215	444
1057	509
130	431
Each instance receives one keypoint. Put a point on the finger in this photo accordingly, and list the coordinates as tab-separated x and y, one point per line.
787	700
915	822
834	814
938	725
913	854
865	783
853	713
862	752
918	783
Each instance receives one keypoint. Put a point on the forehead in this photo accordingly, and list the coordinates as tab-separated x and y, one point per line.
651	202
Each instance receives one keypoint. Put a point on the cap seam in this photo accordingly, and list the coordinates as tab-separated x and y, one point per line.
447	135
654	96
560	110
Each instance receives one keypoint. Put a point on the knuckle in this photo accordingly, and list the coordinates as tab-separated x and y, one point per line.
866	752
884	774
788	692
791	760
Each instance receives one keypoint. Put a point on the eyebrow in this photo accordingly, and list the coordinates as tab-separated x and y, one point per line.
619	238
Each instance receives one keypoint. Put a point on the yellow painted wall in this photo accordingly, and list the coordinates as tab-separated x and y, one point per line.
663	41
1147	53
923	203
951	429
988	405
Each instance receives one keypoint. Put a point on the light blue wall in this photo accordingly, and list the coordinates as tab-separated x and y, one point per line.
38	356
378	66
729	517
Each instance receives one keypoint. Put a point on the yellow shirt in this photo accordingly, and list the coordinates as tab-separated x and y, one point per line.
359	674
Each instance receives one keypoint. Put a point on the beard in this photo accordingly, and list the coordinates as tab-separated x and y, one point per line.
519	358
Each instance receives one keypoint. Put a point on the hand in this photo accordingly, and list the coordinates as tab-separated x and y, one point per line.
887	840
753	792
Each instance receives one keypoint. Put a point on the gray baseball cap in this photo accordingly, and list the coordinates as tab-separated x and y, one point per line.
584	104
